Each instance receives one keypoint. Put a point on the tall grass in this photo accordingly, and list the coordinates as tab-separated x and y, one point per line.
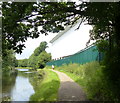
47	90
91	77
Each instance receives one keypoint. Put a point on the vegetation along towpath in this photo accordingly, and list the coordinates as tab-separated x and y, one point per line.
69	90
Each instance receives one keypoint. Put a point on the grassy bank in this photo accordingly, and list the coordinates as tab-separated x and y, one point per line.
90	77
23	67
47	90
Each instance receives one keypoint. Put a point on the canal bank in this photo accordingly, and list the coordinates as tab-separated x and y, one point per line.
47	90
27	85
17	86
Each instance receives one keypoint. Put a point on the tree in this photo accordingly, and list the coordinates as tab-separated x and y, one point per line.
106	33
32	61
14	32
9	61
43	58
17	22
35	57
54	17
23	63
42	47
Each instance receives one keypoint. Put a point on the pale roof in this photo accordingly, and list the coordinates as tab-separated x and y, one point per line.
62	32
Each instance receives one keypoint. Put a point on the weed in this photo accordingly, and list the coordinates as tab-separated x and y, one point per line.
91	77
47	90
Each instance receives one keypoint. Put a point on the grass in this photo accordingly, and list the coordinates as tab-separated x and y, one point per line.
47	90
23	67
90	76
76	78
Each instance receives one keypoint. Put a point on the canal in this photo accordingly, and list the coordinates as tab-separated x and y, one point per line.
18	87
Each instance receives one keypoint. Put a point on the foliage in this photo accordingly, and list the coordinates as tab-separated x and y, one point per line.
111	70
47	90
106	31
54	16
38	59
14	32
92	79
36	78
24	68
32	61
42	47
9	61
18	24
43	58
23	63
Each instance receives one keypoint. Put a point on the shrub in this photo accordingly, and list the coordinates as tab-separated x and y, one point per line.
91	77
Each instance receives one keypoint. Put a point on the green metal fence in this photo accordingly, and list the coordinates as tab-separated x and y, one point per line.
86	55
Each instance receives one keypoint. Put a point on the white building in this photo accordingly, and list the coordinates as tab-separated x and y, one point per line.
70	41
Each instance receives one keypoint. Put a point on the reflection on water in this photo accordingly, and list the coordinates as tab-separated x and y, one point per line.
22	69
22	89
28	72
18	88
8	81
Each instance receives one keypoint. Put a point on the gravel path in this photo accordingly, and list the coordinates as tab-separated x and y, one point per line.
69	90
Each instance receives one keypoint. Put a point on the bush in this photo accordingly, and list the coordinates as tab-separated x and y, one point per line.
91	77
47	89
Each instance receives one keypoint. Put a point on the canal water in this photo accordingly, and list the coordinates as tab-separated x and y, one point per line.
18	87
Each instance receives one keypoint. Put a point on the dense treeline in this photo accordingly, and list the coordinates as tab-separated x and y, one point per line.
23	63
38	59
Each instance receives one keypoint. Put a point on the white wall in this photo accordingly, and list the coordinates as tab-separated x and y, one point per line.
71	42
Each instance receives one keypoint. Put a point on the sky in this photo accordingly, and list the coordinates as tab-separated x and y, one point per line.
32	44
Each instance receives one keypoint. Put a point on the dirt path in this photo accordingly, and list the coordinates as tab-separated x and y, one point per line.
69	90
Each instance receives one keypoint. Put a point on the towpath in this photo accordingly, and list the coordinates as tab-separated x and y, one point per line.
69	90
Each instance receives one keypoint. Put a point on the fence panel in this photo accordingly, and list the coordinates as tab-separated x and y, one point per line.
84	56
